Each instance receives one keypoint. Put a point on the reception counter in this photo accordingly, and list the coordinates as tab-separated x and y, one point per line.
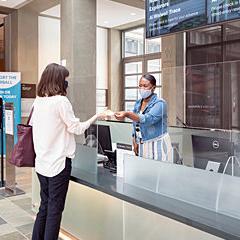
152	201
102	206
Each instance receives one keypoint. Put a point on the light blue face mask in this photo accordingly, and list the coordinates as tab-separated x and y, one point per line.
145	93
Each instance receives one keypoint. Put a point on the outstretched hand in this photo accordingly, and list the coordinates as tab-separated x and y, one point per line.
120	115
105	115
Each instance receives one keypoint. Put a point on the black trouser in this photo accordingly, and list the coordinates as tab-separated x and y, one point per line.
53	191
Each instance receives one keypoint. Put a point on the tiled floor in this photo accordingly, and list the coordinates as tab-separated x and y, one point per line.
16	216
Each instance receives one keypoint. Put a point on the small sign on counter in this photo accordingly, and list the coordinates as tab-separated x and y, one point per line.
122	149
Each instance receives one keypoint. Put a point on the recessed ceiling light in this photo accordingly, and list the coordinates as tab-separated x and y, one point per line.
133	14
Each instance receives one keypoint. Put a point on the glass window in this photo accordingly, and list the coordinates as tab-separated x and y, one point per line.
129	105
232	31
133	42
101	109
132	81
158	77
232	51
153	45
101	97
204	105
207	54
158	91
205	36
133	67
135	45
212	89
131	94
133	72
154	65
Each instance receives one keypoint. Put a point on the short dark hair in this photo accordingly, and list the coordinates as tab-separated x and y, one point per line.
52	81
150	78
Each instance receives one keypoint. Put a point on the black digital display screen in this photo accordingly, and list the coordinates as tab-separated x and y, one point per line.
222	10
169	16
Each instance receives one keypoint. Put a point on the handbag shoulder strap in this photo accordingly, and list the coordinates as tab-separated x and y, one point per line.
30	116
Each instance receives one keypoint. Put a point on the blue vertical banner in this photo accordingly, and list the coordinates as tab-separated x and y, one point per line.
10	92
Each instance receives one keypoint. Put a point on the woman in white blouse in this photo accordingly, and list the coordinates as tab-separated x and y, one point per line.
54	125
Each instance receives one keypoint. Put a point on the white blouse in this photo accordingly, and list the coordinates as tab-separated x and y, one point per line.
54	125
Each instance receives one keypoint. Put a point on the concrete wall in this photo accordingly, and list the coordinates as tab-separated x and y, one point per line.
78	47
22	44
115	70
22	39
28	45
11	42
48	42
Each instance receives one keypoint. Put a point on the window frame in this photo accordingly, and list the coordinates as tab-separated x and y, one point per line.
144	59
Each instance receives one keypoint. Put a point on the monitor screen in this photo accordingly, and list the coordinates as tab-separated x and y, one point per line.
222	10
169	16
210	149
99	136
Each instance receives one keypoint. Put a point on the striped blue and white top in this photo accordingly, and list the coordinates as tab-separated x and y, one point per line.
159	149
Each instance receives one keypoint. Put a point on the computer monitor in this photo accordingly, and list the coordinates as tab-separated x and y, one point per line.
101	133
210	149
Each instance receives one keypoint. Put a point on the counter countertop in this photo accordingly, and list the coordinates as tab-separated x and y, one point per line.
208	221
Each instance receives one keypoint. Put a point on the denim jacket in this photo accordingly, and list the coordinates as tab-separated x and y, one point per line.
153	119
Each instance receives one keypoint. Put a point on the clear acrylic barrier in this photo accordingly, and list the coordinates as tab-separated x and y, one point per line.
228	197
85	158
140	172
213	191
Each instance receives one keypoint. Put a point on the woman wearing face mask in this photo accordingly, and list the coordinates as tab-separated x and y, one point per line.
54	126
149	116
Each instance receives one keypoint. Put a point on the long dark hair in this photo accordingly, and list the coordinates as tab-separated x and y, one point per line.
52	81
150	78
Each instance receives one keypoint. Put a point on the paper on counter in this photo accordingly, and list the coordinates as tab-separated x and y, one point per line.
122	149
212	166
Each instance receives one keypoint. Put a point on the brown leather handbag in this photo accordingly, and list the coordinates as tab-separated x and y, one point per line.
23	154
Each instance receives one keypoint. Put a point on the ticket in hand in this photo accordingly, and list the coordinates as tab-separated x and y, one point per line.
109	113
